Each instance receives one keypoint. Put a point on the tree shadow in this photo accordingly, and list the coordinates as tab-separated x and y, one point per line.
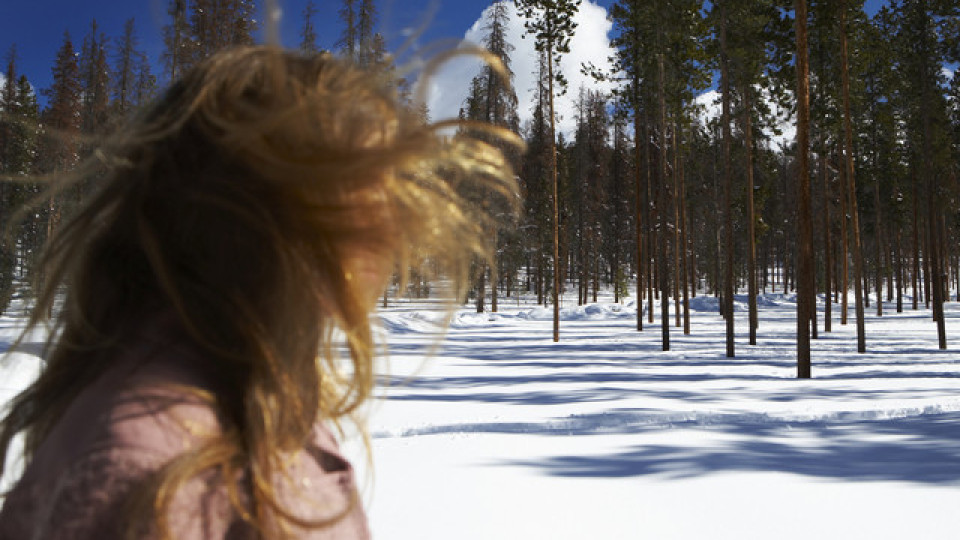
34	348
921	449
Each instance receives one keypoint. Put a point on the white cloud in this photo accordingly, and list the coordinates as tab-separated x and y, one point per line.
590	44
948	73
710	102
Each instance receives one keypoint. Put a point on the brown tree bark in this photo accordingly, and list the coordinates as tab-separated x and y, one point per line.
727	196
677	247
844	283
683	246
637	151
805	292
852	183
751	217
827	248
662	212
556	204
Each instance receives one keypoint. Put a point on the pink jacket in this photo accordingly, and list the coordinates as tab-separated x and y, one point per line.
128	424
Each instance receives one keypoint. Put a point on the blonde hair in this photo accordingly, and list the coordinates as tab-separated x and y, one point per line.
236	201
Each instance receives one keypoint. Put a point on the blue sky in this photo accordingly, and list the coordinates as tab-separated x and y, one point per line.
37	26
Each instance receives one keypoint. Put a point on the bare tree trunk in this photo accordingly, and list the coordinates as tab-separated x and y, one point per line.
683	244
556	206
827	249
494	276
844	283
651	230
751	218
889	269
899	263
916	243
727	197
662	211
481	287
637	151
596	276
677	281
805	293
927	258
879	246
852	184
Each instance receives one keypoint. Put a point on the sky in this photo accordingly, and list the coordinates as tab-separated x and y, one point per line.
37	28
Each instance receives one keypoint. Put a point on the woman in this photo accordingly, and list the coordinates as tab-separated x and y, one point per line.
243	229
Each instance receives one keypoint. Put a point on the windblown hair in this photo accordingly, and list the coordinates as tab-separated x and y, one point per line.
236	202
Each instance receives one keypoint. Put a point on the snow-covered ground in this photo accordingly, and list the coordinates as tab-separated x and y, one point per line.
499	432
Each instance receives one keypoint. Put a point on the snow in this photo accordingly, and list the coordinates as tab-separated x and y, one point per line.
498	432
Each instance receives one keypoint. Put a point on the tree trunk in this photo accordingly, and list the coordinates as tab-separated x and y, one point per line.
899	263
662	212
915	278
637	153
727	196
494	275
683	244
677	281
805	293
844	283
751	218
852	183
556	207
827	249
879	245
651	216
481	287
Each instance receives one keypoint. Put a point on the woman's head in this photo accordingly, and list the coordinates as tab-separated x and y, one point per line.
261	202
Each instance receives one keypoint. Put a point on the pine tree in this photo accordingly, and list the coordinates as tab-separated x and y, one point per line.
62	116
753	28
366	24
127	60
145	87
8	97
619	207
202	28
535	182
348	40
851	181
24	115
925	36
95	82
632	50
8	141
59	144
217	24
19	105
725	89
551	23
492	100
308	35
176	38
661	56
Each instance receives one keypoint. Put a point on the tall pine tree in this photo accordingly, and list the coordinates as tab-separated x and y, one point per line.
551	23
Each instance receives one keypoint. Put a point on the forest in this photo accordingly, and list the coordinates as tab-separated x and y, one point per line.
651	195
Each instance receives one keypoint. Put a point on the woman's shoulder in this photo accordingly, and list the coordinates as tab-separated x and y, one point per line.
115	435
84	499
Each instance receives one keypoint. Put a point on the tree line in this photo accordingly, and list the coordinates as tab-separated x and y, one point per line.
649	195
652	190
